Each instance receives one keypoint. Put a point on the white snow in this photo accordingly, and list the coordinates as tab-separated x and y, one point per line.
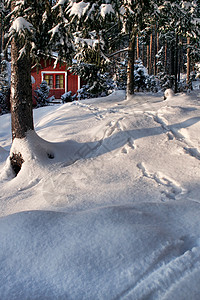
20	24
106	205
79	9
106	9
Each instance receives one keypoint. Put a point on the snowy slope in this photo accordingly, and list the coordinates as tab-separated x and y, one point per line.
106	205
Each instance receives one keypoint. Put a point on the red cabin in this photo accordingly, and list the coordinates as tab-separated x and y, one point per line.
59	79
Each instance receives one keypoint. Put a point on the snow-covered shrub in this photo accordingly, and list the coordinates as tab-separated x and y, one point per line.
67	97
140	74
151	84
4	99
120	76
166	81
98	83
83	93
5	86
42	94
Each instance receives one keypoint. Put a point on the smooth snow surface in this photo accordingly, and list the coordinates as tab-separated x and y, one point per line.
106	205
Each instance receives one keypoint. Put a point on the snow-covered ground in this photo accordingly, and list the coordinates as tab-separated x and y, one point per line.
107	203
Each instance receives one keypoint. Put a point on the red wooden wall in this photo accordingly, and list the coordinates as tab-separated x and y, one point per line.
48	66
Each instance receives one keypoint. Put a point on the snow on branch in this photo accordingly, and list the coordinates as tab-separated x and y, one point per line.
19	25
79	9
60	2
106	9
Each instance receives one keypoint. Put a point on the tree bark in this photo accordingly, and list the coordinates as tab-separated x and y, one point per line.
138	49
131	62
165	58
21	92
188	61
150	54
21	97
148	59
1	35
176	64
155	52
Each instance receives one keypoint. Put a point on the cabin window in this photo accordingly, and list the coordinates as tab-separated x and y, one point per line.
49	79
55	81
60	81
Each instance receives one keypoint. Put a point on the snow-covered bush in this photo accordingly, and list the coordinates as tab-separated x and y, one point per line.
67	97
166	81
5	86
140	76
120	76
98	83
42	94
152	83
4	99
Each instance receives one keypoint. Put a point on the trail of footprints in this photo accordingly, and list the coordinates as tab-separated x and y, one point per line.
172	189
126	141
173	133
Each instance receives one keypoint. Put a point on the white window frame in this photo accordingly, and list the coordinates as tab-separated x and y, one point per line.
56	72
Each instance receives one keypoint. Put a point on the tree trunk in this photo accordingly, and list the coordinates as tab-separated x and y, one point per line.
188	60
165	58
131	62
150	54
180	58
21	97
158	48
138	49
1	35
176	64
148	59
155	52
21	93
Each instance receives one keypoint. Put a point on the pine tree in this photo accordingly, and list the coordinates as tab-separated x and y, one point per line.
29	36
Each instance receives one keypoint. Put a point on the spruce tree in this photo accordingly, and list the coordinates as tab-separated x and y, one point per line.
29	36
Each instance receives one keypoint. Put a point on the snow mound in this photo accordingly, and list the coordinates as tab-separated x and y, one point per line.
105	253
169	93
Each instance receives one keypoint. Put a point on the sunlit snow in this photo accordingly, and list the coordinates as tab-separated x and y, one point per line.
106	205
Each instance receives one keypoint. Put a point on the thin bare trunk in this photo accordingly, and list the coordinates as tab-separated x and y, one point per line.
176	64
150	54
188	60
131	62
180	58
158	48
138	49
165	59
148	59
155	52
1	36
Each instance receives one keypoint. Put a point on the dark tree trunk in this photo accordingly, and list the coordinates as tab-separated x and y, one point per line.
21	98
21	92
176	64
148	58
165	58
188	60
180	58
150	54
172	59
138	49
131	62
155	52
1	36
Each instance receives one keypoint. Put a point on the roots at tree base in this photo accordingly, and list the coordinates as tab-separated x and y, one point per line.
16	160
